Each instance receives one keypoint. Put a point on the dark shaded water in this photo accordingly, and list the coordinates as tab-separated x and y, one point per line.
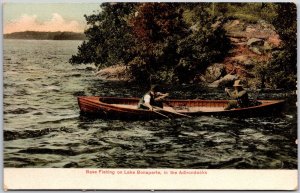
42	126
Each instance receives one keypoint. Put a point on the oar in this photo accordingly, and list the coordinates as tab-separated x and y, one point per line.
176	113
161	114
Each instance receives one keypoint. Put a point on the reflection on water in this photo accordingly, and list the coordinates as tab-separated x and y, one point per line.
42	126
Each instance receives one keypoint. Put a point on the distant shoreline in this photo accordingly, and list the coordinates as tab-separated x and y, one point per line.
34	35
42	39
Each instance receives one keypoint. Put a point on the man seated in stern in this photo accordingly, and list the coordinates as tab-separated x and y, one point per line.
239	94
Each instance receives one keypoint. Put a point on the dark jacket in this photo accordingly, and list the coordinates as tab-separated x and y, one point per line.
241	97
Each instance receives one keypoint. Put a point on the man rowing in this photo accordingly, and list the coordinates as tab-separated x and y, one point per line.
152	98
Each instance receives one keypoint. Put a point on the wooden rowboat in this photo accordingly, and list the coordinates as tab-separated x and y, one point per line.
113	107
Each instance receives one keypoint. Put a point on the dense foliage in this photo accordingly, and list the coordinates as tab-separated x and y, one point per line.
154	40
283	66
248	12
109	36
206	44
281	70
157	27
175	42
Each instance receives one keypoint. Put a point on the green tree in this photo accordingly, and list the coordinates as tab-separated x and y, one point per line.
157	27
109	38
282	69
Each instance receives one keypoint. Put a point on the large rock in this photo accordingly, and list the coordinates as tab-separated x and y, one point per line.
256	50
234	25
261	30
116	72
256	45
240	59
228	79
214	72
255	42
274	40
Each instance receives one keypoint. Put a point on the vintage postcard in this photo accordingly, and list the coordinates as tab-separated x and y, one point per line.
150	96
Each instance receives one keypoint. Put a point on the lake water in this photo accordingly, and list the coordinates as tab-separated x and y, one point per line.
43	127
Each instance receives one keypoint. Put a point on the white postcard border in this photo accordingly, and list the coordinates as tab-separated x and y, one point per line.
149	179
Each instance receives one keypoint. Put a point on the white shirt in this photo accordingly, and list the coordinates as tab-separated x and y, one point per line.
147	98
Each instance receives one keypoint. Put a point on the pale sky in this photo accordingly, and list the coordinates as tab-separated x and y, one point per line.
46	16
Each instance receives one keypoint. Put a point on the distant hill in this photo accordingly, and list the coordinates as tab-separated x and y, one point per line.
34	35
